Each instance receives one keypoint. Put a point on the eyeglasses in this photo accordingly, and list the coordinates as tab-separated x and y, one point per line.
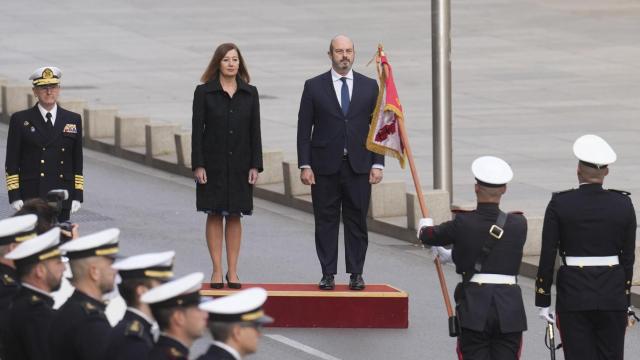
256	326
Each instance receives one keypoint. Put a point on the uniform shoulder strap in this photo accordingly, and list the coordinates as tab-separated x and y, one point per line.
621	192
135	329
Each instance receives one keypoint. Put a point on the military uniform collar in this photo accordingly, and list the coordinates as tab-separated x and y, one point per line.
82	297
484	206
36	295
178	349
227	348
591	186
214	85
137	314
53	111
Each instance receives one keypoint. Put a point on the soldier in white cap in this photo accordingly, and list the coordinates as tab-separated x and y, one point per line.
44	147
80	328
235	323
487	251
594	231
40	269
132	338
12	231
175	307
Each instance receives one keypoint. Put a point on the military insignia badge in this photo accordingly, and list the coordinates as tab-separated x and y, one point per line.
47	74
33	129
70	129
26	123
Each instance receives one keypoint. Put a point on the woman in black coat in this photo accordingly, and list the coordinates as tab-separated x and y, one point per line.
226	154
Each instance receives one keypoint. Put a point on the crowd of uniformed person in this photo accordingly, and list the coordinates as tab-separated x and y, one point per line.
591	228
164	314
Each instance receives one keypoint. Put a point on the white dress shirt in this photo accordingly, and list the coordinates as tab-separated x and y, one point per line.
54	113
337	84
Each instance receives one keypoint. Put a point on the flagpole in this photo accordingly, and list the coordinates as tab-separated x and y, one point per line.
423	205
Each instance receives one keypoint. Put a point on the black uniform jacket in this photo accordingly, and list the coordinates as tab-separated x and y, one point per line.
28	326
130	339
39	159
588	221
226	141
9	286
324	131
216	353
468	232
168	348
79	329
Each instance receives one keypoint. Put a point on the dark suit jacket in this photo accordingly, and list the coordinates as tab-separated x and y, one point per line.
589	221
323	129
39	160
130	339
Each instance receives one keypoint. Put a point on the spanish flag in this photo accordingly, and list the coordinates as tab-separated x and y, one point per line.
384	132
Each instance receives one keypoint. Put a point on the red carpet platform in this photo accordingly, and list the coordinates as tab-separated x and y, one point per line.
305	306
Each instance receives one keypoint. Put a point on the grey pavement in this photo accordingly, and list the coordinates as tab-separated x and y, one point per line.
156	211
529	76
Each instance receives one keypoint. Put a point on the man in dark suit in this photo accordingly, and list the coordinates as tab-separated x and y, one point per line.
39	264
594	231
333	123
487	251
44	147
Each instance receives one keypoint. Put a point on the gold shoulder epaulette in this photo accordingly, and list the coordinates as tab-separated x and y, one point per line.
8	280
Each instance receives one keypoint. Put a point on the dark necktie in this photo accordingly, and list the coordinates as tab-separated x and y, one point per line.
49	122
344	96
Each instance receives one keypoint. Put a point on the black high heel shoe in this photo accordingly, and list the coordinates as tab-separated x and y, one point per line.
216	285
233	285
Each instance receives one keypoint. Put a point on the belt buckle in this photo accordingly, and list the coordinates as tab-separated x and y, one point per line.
496	231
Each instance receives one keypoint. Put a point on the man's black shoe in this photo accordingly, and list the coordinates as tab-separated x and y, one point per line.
356	282
327	282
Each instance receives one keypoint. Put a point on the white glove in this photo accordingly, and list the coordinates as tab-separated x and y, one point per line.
75	206
544	315
424	222
442	253
17	204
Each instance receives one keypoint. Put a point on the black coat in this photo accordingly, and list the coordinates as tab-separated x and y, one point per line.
589	221
130	339
468	232
39	159
28	326
79	330
226	141
323	130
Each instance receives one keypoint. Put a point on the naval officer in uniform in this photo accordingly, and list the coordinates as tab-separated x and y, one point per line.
44	147
594	232
487	251
235	322
133	337
80	328
175	307
40	268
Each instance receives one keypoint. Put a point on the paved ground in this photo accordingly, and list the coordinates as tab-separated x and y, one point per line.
528	76
155	212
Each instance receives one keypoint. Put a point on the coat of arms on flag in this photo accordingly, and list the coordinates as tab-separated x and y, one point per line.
384	132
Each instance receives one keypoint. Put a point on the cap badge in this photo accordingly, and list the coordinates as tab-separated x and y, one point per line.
47	74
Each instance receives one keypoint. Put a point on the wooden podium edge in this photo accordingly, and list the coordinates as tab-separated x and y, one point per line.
316	293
